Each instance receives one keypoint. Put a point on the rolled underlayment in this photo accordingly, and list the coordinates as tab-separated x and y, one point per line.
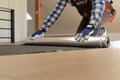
102	41
93	41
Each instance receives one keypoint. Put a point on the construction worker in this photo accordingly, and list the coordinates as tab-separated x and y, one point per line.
92	12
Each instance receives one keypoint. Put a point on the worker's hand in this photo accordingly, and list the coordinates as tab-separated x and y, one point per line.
84	35
39	34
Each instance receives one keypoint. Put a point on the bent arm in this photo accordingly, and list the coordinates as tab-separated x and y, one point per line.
98	8
54	14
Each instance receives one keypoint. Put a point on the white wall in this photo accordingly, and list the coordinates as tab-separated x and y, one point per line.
20	7
31	11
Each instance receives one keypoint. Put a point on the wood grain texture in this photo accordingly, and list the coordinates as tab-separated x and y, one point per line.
95	64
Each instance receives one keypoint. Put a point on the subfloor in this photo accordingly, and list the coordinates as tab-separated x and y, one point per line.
23	62
94	64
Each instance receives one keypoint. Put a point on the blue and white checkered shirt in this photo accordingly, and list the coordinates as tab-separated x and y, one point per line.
98	7
53	16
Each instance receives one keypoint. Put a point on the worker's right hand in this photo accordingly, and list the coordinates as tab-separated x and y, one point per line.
39	34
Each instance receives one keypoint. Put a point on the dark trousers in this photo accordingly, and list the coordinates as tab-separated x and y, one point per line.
82	10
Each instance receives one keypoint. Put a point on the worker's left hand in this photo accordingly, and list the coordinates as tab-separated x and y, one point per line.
84	35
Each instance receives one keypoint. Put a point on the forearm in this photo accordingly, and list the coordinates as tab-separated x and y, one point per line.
98	8
54	14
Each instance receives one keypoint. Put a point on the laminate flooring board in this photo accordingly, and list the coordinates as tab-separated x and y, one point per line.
93	64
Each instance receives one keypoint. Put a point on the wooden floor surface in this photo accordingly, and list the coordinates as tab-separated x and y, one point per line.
95	64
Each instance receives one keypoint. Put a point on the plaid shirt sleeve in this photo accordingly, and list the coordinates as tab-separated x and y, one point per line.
53	16
98	8
108	0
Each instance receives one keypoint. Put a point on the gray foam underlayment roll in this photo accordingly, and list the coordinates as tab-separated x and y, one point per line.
102	41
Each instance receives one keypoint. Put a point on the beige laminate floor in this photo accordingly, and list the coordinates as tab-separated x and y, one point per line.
94	64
